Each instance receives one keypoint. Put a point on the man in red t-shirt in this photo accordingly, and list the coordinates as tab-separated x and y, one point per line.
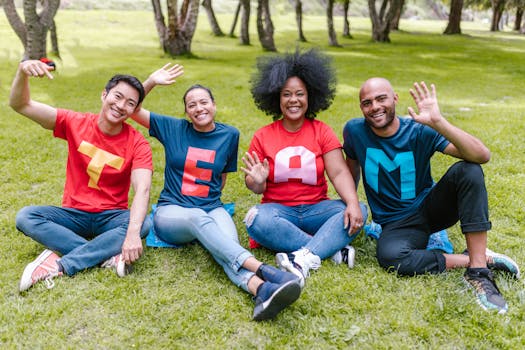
105	156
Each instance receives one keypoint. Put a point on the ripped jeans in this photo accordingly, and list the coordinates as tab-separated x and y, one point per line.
317	227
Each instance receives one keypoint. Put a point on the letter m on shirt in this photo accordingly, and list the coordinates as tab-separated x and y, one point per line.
404	161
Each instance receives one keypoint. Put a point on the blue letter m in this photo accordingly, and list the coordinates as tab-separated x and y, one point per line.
404	161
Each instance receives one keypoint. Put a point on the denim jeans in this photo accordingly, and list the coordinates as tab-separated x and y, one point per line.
460	195
215	230
317	227
83	239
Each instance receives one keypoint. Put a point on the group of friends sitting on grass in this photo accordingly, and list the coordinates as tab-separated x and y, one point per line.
287	162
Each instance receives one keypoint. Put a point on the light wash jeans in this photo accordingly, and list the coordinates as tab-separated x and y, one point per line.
215	230
83	239
317	227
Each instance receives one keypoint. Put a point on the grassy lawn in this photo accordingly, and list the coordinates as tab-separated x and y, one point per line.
180	298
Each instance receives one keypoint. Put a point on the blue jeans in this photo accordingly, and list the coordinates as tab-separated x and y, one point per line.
83	239
317	227
215	230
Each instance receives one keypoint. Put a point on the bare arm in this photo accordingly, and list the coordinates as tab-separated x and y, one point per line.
355	170
344	184
20	96
462	144
164	76
141	183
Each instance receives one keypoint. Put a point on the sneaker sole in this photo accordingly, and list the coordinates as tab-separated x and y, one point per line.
281	260
350	257
26	281
502	256
480	303
280	299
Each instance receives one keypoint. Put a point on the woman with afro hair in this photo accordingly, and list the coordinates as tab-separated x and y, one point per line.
286	163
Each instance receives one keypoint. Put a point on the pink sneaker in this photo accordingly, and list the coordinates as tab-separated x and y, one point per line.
116	263
44	268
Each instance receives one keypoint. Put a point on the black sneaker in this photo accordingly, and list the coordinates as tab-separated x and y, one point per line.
271	298
272	274
487	293
500	262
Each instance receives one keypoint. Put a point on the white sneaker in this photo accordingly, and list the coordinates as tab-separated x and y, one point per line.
299	263
345	255
116	263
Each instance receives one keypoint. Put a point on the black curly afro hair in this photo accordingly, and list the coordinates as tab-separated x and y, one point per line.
312	67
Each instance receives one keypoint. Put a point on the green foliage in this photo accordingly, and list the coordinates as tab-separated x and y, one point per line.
180	298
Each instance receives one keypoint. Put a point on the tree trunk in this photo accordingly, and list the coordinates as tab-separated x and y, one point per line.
381	21
32	33
265	26
346	22
54	40
176	36
454	18
299	19
235	18
498	6
518	19
394	25
245	21
332	37
215	28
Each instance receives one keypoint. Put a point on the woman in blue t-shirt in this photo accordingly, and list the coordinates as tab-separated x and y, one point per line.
199	153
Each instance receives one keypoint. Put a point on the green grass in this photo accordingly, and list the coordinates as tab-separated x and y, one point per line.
179	298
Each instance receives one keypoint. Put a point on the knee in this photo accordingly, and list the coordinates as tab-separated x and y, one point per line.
471	172
392	259
23	217
250	216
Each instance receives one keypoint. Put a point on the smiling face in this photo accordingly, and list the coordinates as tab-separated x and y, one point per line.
294	103
117	105
378	102
200	108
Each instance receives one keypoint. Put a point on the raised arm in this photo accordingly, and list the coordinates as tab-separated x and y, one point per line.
20	97
141	184
256	172
462	144
164	76
343	182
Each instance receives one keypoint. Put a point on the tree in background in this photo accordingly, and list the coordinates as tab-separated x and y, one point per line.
454	18
33	32
299	20
265	26
346	22
394	25
332	37
176	36
498	6
381	21
215	28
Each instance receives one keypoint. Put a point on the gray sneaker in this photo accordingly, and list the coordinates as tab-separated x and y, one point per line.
487	293
116	263
299	263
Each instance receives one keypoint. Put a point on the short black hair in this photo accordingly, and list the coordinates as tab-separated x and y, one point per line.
197	86
131	81
314	68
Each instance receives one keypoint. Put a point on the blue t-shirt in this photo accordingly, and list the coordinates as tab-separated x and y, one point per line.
195	161
396	169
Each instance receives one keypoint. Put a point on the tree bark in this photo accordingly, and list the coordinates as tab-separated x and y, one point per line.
394	25
299	20
346	22
265	26
454	18
235	18
518	19
332	37
381	21
245	21
498	6
176	36
33	32
215	28
54	40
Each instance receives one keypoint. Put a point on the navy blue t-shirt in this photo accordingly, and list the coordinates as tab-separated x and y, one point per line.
195	161
396	169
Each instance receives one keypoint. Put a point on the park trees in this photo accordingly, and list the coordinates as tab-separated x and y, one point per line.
382	19
39	19
215	28
454	17
176	35
265	25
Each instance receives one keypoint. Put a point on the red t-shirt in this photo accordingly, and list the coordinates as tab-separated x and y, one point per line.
296	161
98	173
